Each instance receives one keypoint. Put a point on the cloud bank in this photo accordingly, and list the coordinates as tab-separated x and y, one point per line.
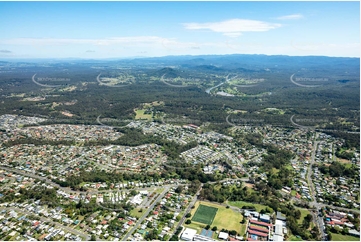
233	27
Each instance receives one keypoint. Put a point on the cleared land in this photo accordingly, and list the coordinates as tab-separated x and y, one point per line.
205	214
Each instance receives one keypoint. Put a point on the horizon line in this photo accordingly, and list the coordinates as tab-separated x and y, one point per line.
163	56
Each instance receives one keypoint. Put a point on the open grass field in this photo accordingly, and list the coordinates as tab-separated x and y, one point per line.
240	204
140	114
340	237
135	212
229	219
205	214
225	218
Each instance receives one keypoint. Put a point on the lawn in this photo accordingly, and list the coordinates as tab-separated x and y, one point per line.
196	226
304	213
140	114
205	214
135	212
340	237
225	218
228	219
294	238
240	204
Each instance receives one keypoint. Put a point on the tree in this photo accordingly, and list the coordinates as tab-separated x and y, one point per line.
243	220
207	227
329	235
133	192
297	214
344	231
93	238
214	228
179	189
152	235
233	232
308	217
174	238
188	215
188	221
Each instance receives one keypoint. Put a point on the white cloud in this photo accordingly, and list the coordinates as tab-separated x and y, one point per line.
233	27
290	17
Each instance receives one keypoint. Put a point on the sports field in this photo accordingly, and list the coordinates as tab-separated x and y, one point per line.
205	214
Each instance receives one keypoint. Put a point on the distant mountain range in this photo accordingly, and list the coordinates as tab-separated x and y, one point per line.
220	63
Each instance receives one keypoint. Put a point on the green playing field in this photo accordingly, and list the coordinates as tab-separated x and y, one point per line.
205	214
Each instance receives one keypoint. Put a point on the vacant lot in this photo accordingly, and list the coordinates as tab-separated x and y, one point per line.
205	214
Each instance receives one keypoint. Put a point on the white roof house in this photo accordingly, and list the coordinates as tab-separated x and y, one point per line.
223	235
188	234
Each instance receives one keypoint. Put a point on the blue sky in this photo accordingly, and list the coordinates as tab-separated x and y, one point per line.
127	29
